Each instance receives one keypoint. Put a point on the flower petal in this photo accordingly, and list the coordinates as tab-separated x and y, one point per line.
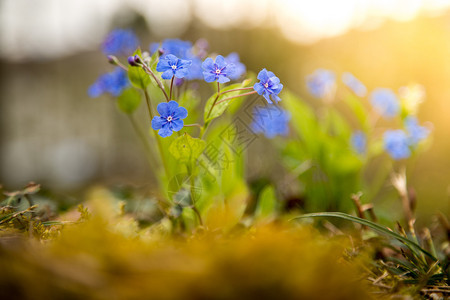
158	122
223	79
177	125
262	75
277	89
163	109
276	98
230	70
172	59
183	63
162	65
267	97
167	74
275	80
173	105
270	74
259	88
180	113
208	64
181	73
220	62
209	77
165	131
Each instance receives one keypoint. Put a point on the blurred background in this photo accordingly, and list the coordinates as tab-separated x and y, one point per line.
51	132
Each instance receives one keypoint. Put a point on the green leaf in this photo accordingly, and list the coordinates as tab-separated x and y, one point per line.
374	226
358	109
137	75
214	110
129	100
266	204
186	148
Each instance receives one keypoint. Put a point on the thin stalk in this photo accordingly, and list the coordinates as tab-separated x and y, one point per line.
171	87
193	125
158	140
235	90
122	66
192	185
229	98
149	106
142	137
158	82
215	100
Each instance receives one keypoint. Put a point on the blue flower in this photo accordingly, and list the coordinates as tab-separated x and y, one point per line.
218	70
120	42
173	66
113	83
396	143
321	83
269	86
195	70
385	102
416	133
354	84
358	141
183	50
271	121
170	118
239	68
179	48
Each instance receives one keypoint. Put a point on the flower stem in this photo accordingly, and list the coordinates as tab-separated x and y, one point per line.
193	125
192	185
235	90
158	82
141	135
171	87
122	66
215	100
237	96
158	140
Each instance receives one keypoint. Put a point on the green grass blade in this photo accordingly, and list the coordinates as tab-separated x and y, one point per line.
371	225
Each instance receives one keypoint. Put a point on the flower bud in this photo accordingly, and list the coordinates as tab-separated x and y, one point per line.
132	61
112	60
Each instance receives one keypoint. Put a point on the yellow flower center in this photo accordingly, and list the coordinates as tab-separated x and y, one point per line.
169	118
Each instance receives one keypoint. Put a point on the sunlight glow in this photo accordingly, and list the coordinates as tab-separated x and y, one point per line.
50	28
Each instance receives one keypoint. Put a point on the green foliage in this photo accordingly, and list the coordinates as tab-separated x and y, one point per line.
138	77
335	169
214	108
413	264
187	149
129	101
267	204
373	226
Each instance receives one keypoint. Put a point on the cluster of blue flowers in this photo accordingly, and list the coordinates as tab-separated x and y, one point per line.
112	83
179	61
271	121
120	42
385	102
397	143
321	83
